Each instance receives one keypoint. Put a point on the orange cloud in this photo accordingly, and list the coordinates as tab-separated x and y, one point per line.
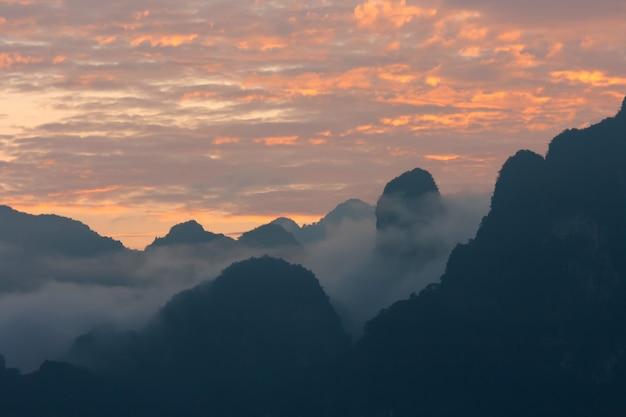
511	36
92	191
594	78
103	40
442	158
397	73
313	84
224	140
262	43
461	121
276	141
473	33
471	52
88	80
102	190
9	60
396	13
398	121
197	95
521	56
164	40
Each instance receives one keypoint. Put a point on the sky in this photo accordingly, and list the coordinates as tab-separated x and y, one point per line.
135	116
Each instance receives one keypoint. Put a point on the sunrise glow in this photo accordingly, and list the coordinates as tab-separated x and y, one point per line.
133	116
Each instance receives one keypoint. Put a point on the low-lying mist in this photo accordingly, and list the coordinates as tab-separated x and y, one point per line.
48	301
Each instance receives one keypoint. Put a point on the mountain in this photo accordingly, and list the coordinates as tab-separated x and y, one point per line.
48	234
408	204
260	313
36	249
250	341
289	225
529	319
189	233
353	210
530	315
271	239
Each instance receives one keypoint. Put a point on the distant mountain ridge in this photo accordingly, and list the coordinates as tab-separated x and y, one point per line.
188	233
354	210
52	234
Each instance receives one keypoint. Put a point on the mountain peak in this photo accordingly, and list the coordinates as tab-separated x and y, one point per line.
259	314
189	232
190	226
287	224
353	209
409	202
271	235
404	201
411	184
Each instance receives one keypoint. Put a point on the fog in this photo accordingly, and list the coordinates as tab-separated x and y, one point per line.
361	282
40	320
48	301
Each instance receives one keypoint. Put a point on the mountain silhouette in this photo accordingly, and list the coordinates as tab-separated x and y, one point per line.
189	233
260	313
36	249
52	234
271	239
529	318
408	204
530	315
289	225
251	338
354	210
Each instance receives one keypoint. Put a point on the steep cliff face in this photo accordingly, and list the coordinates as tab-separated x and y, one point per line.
404	200
408	204
531	309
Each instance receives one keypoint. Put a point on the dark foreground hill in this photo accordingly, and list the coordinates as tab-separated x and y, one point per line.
260	316
530	316
252	342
